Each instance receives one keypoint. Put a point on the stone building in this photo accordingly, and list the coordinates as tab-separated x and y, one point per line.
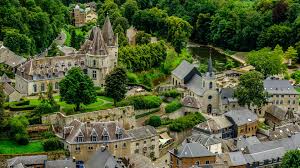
97	57
245	122
84	139
145	141
79	16
201	86
191	155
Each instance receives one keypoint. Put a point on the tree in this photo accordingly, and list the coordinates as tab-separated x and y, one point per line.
77	38
129	8
121	21
53	51
122	39
115	84
18	125
250	90
17	42
291	159
142	37
52	144
179	32
279	13
266	61
154	121
76	88
202	27
108	8
291	54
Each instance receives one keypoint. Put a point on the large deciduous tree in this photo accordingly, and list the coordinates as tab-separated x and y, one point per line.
250	90
77	88
115	84
129	8
266	61
291	159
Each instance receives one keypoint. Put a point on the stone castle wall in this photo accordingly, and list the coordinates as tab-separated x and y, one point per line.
125	116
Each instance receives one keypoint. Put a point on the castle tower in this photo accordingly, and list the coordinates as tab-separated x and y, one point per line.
102	52
209	79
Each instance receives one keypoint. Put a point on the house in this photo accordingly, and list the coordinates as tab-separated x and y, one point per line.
235	160
201	86
219	126
245	122
278	115
190	104
83	139
227	100
11	93
9	58
145	141
79	16
5	79
212	143
97	58
103	159
36	161
69	163
191	154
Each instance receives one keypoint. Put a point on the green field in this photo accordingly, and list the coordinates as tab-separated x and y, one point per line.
101	103
10	147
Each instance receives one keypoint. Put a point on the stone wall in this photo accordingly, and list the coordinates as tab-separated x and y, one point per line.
125	116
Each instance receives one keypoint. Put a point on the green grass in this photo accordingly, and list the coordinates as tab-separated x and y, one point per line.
297	89
263	126
10	147
101	103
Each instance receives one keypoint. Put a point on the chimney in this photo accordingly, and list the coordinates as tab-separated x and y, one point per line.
74	159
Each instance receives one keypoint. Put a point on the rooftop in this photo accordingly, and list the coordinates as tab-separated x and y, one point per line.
274	86
183	69
192	150
142	132
242	116
27	160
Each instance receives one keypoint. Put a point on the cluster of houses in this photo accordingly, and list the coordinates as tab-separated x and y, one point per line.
235	136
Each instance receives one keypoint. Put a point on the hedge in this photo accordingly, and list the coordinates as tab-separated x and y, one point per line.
186	122
21	105
141	102
173	106
171	93
52	144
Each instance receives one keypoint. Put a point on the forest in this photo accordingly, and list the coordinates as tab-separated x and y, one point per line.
29	26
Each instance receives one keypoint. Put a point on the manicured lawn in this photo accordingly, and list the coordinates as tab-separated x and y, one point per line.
10	147
101	103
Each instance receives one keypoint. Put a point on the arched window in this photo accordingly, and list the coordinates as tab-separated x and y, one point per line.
209	97
94	62
209	108
42	87
210	85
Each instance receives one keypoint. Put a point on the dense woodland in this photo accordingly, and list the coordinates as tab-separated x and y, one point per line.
29	26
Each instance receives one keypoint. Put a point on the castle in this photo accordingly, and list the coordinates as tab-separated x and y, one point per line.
97	57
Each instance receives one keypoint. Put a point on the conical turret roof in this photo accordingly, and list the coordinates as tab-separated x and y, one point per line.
108	33
97	46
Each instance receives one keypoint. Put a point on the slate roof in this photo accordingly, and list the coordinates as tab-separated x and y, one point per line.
86	130
27	160
143	132
195	85
60	164
190	101
244	142
8	89
108	33
265	155
191	150
183	69
203	139
273	86
277	112
215	123
10	58
102	159
242	116
97	44
227	95
5	78
237	158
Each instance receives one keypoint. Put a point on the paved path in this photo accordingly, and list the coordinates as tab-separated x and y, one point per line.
60	40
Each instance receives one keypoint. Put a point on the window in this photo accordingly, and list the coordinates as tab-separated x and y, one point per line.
203	84
289	102
209	97
42	87
124	145
119	136
294	101
207	162
145	142
93	138
210	85
79	139
56	86
94	62
94	75
281	101
90	148
116	146
77	148
197	163
105	138
152	140
137	144
136	151
34	88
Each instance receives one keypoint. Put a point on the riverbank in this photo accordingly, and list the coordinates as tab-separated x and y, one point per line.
238	56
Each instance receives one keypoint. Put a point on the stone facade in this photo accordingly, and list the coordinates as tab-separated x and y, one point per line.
97	57
79	16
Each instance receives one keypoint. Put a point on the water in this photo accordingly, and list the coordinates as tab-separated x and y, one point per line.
220	61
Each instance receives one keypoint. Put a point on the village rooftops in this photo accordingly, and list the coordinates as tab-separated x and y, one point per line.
203	139
279	112
273	86
143	132
236	159
215	123
242	116
10	58
102	159
27	160
60	164
192	150
93	132
227	95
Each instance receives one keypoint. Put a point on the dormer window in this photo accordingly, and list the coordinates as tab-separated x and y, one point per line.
119	133
80	137
105	135
94	136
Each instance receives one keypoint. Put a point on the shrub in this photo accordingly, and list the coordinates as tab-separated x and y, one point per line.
173	106
132	77
141	102
154	121
22	139
52	144
15	107
186	122
171	93
100	92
